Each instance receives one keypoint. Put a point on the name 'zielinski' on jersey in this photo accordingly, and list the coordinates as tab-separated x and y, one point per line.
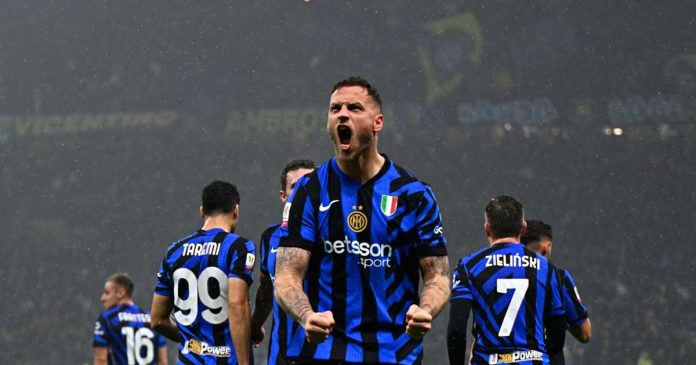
200	249
512	261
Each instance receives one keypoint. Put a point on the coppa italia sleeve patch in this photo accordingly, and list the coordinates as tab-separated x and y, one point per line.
286	214
250	259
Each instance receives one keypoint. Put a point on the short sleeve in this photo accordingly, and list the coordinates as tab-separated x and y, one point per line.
428	224
264	248
461	285
298	225
556	303
243	257
101	336
576	312
164	285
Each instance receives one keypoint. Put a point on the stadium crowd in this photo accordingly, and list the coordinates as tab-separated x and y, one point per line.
80	205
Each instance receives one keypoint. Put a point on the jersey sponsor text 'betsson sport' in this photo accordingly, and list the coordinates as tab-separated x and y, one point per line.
194	272
125	331
511	290
365	241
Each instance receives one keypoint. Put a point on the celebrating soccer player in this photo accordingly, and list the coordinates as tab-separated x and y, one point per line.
357	232
512	291
538	237
205	279
122	333
280	334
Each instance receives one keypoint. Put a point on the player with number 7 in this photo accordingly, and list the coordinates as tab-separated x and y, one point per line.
512	292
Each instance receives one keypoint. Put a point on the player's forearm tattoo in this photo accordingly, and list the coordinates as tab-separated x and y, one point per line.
291	265
297	304
436	288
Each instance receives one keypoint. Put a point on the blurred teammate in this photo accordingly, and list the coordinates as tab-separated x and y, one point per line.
204	279
122	333
360	229
265	301
512	291
538	238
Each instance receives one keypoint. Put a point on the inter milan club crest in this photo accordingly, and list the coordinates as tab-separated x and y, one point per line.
388	205
357	220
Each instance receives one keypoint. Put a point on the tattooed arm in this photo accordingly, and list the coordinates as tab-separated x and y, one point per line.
291	267
436	291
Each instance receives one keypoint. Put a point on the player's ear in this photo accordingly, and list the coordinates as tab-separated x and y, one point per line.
201	212
283	196
120	292
487	229
523	228
235	212
378	123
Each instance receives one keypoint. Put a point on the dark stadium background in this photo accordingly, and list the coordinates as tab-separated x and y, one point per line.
114	114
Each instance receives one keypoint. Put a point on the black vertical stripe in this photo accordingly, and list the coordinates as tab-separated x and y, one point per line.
567	286
220	329
282	337
531	301
297	210
313	273
368	323
312	289
339	279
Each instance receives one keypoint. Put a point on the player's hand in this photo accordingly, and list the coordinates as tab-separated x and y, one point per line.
318	326
418	322
257	335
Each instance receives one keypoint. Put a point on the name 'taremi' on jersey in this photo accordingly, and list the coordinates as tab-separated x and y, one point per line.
194	272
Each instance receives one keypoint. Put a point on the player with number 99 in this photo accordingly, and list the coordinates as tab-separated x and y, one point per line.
204	281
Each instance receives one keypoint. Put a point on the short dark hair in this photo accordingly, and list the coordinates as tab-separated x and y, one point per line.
504	215
359	81
219	197
124	281
292	166
536	229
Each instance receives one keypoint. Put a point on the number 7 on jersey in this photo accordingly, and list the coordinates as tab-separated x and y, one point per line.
520	288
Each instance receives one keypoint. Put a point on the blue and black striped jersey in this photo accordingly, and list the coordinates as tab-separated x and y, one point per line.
282	323
125	331
511	289
365	241
575	312
194	273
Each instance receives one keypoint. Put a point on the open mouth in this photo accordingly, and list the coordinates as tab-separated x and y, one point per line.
344	134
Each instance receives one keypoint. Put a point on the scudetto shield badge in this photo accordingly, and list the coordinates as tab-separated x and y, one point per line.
388	205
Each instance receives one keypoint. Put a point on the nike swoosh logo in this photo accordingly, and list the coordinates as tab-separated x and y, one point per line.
274	250
323	208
